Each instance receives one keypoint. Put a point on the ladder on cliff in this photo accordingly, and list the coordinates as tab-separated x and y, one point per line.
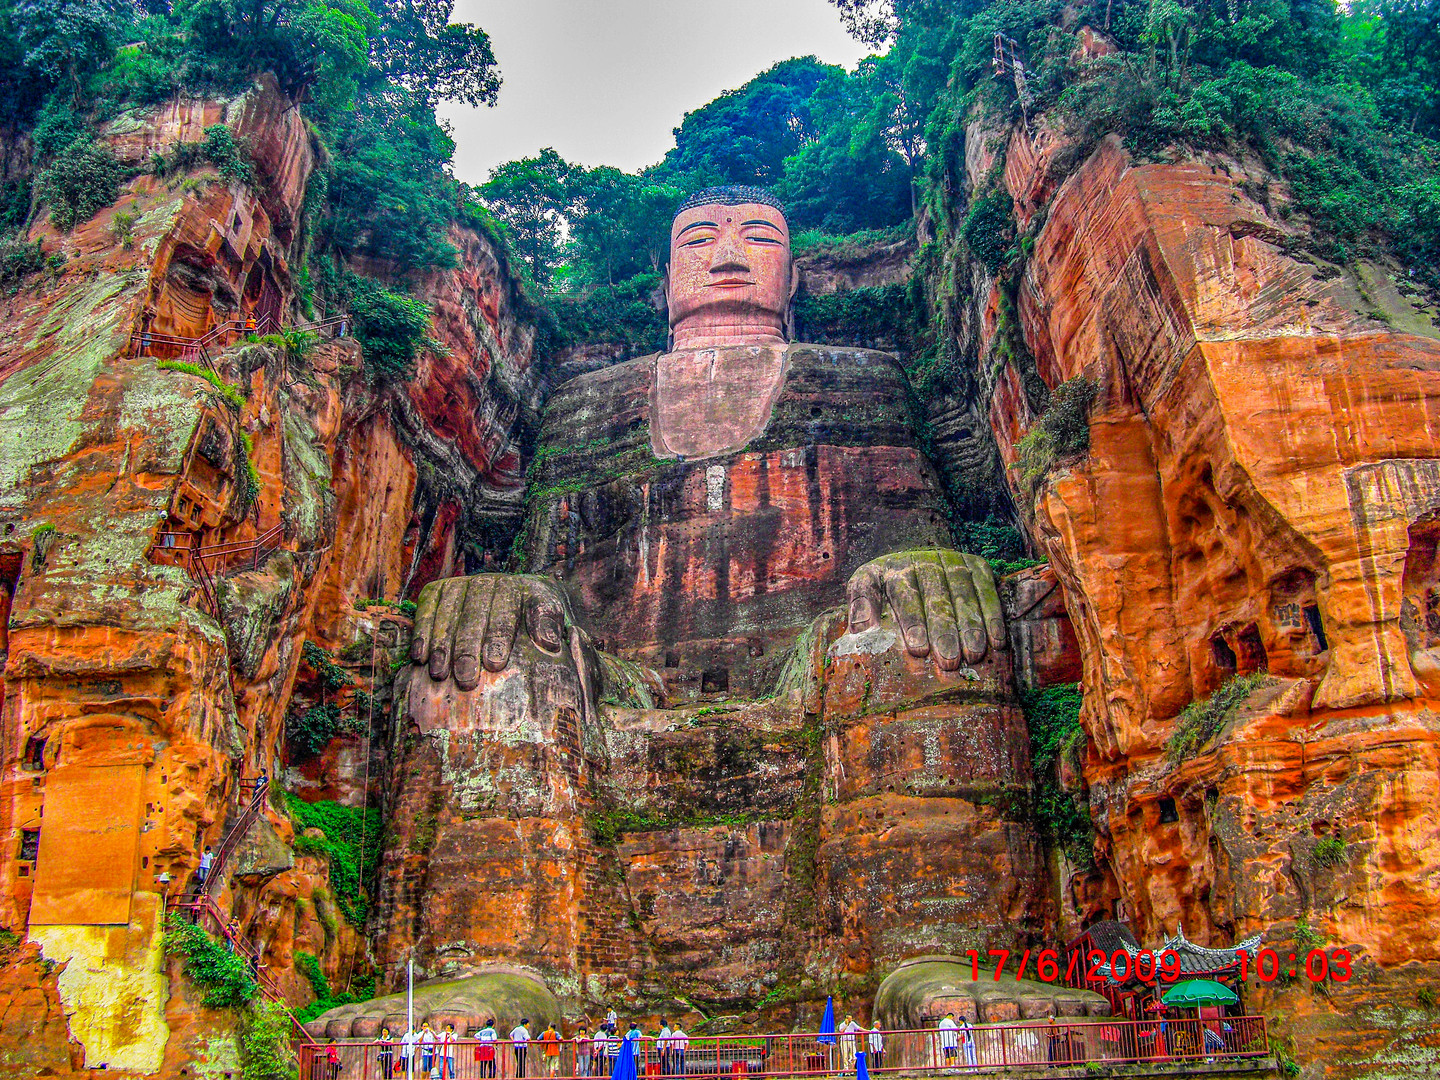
197	350
206	563
204	908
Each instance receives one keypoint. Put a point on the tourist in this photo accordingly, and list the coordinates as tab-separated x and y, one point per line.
611	1019
207	860
967	1040
679	1043
427	1048
949	1038
332	1061
582	1051
485	1040
407	1049
847	1042
386	1055
877	1047
662	1044
520	1043
1055	1041
550	1050
447	1051
612	1045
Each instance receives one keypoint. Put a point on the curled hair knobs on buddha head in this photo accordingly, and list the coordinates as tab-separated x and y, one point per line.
730	195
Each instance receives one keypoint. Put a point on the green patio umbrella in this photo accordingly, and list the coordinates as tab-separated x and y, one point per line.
1196	993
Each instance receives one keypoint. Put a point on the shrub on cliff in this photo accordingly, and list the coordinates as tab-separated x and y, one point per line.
219	973
362	989
989	229
1202	720
351	843
81	181
18	260
1063	431
265	1051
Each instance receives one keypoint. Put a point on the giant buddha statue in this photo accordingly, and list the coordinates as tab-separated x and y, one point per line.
747	709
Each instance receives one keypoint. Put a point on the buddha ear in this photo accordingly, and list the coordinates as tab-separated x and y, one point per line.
670	335
788	320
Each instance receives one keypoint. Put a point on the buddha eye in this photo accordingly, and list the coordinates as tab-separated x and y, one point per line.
762	240
698	241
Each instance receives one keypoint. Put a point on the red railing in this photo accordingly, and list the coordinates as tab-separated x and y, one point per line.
197	349
1022	1043
213	560
203	909
237	832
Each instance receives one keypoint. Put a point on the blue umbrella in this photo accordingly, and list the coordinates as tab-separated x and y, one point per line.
862	1071
827	1024
624	1063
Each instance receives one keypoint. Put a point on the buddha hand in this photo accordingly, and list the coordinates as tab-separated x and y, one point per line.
944	601
488	622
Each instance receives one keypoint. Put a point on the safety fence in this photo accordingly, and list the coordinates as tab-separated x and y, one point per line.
1020	1043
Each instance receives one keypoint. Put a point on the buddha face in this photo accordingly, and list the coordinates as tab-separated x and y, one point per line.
731	275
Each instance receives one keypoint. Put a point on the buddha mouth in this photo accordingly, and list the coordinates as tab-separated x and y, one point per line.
730	283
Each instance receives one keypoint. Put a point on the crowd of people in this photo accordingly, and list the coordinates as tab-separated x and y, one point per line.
427	1053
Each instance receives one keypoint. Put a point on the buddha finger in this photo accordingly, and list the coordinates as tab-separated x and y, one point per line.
470	631
545	617
424	623
940	613
504	617
442	636
982	574
904	596
967	611
864	596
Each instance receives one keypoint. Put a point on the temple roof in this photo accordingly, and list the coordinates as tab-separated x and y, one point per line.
1194	959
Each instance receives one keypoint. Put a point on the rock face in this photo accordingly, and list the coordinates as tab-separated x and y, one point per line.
140	692
1257	498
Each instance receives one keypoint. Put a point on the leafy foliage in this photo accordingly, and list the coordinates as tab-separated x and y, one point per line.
1053	718
1062	431
325	998
351	843
230	393
1329	851
81	180
18	260
222	975
1202	720
989	229
331	674
265	1051
309	731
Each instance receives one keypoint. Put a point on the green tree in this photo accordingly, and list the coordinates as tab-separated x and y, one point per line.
621	223
531	197
745	135
66	41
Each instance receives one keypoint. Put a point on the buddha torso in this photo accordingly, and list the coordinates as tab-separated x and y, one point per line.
699	531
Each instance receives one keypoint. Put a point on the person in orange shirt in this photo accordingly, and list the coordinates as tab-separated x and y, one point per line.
550	1047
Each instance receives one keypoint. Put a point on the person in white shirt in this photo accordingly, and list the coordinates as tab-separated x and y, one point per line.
407	1049
679	1041
427	1048
447	1051
949	1038
967	1041
662	1044
847	1042
877	1047
520	1043
485	1040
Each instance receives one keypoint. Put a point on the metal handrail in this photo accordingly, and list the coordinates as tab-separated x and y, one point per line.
1063	1041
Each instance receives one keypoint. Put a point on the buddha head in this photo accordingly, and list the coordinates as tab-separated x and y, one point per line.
731	277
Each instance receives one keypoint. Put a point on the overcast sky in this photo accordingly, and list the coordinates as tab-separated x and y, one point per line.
605	82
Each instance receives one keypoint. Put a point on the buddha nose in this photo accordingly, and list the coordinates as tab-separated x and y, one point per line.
728	258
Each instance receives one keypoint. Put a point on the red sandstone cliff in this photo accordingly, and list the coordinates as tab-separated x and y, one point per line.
1258	497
